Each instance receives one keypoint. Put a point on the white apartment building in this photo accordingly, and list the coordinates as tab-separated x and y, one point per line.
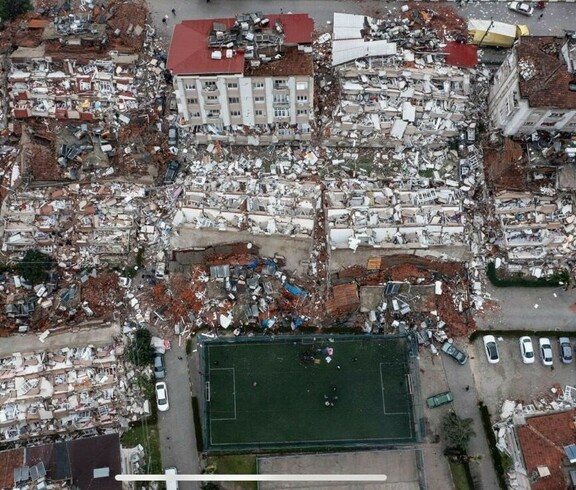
245	80
535	87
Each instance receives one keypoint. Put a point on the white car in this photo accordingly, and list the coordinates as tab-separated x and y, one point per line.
545	351
491	349
521	7
162	396
527	350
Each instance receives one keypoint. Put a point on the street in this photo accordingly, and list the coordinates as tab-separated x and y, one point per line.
557	16
176	426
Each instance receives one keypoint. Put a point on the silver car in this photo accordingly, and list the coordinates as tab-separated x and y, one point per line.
565	350
545	351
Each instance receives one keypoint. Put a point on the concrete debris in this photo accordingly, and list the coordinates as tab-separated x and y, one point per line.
67	392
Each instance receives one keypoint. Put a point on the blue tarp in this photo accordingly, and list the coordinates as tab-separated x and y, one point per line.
296	291
268	322
254	263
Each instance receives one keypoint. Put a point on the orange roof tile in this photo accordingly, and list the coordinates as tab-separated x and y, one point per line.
9	461
542	440
190	54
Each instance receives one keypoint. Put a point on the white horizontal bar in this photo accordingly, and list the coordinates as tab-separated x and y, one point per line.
213	477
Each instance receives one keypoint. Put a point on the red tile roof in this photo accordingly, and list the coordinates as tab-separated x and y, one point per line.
189	52
9	461
462	55
542	440
549	85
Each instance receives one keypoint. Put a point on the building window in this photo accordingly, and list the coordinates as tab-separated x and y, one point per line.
302	98
234	113
233	85
213	114
195	114
572	124
302	112
190	86
258	84
258	100
281	112
556	114
192	101
210	85
548	124
528	123
280	99
279	84
259	112
212	97
301	85
233	100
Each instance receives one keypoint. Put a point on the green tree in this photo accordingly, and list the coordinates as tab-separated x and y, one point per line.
10	9
457	431
35	265
139	350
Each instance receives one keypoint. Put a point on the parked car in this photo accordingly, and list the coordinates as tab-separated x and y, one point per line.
454	353
162	396
171	171
523	8
159	366
440	399
545	351
565	350
172	136
527	350
491	349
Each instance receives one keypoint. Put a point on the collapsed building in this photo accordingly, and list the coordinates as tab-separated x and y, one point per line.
53	78
395	85
59	393
389	218
247	80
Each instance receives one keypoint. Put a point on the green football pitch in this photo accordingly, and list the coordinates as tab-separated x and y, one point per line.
307	392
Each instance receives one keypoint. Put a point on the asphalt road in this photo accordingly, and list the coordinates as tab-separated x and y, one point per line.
466	406
557	16
177	436
529	308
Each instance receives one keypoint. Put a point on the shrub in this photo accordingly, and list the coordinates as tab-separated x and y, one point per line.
139	350
34	266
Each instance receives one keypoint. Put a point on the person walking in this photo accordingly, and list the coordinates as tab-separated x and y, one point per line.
174	12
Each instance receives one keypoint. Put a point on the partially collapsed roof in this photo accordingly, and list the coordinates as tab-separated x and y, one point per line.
191	50
544	75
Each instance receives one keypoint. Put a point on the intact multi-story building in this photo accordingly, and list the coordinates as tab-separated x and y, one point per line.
535	87
254	71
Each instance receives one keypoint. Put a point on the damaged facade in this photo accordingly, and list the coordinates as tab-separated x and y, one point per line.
395	85
253	72
535	88
59	393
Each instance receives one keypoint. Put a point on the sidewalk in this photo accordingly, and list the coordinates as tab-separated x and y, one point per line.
95	335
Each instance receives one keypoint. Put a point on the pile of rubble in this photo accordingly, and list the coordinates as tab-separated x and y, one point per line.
242	292
80	390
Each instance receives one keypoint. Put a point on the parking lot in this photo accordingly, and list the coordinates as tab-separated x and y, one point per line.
511	379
